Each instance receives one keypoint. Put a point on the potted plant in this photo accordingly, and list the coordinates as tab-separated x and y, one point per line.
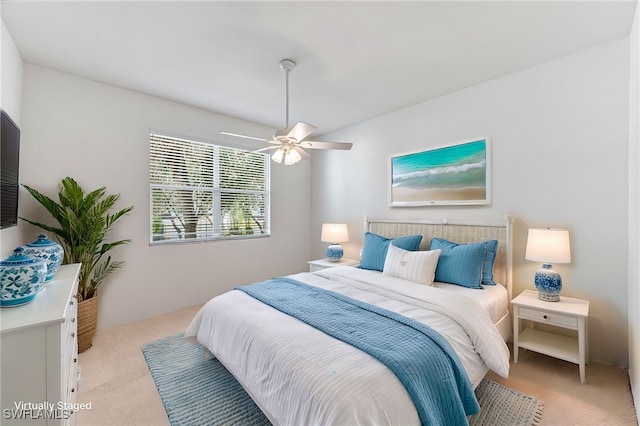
84	220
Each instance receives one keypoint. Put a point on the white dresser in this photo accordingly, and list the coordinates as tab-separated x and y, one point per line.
39	348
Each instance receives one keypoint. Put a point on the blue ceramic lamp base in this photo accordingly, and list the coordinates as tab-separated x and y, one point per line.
335	252
548	283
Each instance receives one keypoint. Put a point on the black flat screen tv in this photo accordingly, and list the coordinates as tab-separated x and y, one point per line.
9	162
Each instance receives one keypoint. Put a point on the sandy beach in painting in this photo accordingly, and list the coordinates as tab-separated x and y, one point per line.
456	174
408	195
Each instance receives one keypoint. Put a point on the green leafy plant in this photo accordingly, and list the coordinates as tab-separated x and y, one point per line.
84	220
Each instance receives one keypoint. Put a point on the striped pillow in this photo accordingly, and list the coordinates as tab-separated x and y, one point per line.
489	258
459	264
417	266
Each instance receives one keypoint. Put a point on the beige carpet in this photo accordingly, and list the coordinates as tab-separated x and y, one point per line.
116	381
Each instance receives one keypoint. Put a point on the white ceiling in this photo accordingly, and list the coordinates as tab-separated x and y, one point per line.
356	60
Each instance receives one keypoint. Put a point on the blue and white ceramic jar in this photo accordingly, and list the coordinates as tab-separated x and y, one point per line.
47	250
21	278
549	283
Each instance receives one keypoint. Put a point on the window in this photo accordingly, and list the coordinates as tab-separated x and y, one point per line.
202	192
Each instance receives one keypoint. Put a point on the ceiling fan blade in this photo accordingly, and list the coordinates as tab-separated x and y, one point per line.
302	153
244	136
326	145
300	131
265	149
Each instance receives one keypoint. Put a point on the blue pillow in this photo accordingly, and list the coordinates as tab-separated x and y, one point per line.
491	248
376	246
459	264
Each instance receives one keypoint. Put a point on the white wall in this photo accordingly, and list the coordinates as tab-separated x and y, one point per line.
10	76
560	141
634	210
99	134
10	101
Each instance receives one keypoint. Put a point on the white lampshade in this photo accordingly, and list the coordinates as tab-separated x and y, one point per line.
548	245
334	233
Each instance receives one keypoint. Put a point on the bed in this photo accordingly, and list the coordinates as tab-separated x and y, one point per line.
302	374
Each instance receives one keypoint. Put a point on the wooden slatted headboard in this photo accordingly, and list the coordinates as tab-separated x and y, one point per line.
458	232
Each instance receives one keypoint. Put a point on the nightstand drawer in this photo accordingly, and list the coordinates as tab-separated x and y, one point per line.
549	317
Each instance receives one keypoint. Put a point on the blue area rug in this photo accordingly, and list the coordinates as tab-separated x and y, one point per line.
196	391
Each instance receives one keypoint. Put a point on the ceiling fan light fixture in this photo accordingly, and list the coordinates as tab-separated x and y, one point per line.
291	157
277	156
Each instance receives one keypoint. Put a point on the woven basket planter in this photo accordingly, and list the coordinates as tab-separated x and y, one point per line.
87	322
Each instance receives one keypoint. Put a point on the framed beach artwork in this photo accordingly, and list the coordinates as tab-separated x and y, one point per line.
457	173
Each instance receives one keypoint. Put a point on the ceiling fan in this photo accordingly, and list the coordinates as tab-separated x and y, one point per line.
289	142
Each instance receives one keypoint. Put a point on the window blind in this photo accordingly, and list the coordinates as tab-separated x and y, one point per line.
200	191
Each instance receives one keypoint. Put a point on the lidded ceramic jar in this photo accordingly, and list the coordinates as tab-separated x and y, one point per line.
21	278
47	250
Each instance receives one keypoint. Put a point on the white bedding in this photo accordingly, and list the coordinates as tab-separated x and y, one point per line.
299	375
495	298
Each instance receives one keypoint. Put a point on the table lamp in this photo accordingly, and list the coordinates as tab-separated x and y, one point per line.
548	245
334	233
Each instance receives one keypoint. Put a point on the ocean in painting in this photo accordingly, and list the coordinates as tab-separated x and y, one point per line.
455	173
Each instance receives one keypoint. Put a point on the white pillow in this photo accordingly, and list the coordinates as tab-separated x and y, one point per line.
417	266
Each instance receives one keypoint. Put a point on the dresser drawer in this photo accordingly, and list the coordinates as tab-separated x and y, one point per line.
70	326
72	394
72	385
549	318
69	365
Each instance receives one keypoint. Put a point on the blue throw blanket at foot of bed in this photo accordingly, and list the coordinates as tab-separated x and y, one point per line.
421	358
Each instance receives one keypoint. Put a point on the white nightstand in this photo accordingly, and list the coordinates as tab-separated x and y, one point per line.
317	265
569	313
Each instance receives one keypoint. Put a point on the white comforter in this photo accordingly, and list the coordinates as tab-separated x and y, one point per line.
301	376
